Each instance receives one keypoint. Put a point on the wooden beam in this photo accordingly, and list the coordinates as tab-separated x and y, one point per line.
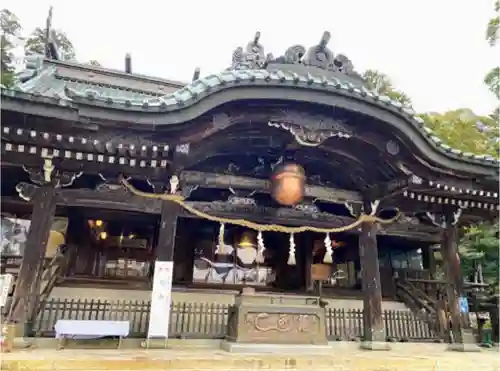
139	167
293	217
118	199
388	189
122	200
212	180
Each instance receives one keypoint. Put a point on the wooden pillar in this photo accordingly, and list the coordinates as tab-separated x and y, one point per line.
373	323
431	262
463	339
308	249
44	205
166	233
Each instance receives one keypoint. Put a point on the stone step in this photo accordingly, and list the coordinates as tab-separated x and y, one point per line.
343	357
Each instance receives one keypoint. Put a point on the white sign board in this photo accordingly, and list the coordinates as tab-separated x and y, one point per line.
5	284
161	297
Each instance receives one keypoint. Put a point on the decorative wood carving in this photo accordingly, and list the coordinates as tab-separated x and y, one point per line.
235	200
310	130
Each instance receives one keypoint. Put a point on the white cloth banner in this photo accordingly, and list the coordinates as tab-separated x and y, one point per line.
161	297
89	329
6	281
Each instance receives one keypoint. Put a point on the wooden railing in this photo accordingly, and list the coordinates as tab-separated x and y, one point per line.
209	320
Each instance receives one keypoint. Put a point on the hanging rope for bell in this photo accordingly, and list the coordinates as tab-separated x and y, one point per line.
260	248
221	245
291	252
328	259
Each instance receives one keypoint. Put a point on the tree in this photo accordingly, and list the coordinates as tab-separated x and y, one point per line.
11	29
492	78
463	130
35	44
493	28
382	84
479	247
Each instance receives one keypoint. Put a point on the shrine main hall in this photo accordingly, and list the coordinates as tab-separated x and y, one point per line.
284	175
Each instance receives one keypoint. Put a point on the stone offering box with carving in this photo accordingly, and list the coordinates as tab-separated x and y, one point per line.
268	319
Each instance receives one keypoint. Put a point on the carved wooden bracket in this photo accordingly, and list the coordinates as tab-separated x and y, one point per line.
48	174
356	209
444	220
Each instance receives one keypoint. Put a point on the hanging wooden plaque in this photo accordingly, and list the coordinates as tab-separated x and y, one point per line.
321	272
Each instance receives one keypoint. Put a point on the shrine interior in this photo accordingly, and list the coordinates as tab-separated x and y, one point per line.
116	249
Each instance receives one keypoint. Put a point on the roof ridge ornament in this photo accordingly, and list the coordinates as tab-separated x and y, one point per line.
33	66
320	55
317	56
252	58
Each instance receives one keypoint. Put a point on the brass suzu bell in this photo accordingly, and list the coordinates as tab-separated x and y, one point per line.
288	184
247	247
248	240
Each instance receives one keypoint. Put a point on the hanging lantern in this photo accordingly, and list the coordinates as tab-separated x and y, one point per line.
288	184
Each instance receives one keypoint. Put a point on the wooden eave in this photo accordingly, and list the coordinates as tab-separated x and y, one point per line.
152	161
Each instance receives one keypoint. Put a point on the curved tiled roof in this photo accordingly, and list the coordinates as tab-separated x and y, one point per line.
203	87
248	70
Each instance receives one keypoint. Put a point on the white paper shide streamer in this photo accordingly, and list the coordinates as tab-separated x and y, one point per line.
291	252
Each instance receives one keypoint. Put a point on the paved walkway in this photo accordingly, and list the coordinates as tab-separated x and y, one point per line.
344	357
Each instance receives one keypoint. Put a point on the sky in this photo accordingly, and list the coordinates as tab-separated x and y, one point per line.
433	50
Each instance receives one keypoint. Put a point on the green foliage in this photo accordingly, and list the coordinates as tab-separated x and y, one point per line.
492	80
35	44
463	130
382	84
10	33
493	28
479	245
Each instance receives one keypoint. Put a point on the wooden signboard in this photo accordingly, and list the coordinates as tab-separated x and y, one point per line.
321	272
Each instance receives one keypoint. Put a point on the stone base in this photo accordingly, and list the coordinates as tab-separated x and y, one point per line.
155	344
375	345
233	347
260	319
463	347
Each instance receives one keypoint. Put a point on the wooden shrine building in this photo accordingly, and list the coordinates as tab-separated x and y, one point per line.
134	168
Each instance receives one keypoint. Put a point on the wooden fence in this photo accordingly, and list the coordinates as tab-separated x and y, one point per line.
209	320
